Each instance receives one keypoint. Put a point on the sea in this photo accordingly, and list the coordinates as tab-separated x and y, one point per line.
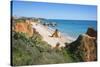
72	28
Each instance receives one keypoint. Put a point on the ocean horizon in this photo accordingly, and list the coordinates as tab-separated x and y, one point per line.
72	28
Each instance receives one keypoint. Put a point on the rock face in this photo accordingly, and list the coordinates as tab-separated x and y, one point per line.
91	32
24	27
85	47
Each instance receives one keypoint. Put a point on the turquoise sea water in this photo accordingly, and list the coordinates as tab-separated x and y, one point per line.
73	28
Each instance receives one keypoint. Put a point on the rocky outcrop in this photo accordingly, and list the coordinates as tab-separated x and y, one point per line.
85	47
91	32
24	27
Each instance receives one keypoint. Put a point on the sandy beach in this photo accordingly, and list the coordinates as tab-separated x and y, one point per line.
46	32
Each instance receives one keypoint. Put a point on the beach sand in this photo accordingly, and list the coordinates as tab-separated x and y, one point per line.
46	32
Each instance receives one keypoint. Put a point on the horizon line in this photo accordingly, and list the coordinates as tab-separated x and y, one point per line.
55	18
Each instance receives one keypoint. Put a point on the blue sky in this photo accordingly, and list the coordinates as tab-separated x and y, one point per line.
54	11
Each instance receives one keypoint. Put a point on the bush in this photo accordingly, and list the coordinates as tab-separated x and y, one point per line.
28	51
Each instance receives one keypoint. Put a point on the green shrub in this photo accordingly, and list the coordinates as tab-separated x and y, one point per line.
28	51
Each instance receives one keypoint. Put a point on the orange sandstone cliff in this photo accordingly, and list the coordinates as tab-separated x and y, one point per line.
24	27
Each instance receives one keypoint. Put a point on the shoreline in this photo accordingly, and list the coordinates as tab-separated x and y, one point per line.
46	32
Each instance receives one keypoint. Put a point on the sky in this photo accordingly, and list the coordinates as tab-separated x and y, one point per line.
54	10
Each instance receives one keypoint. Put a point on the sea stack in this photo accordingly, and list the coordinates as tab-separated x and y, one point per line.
85	47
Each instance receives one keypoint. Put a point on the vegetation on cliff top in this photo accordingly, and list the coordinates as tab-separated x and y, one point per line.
32	50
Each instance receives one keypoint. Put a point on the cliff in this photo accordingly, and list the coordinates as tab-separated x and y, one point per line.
24	27
85	47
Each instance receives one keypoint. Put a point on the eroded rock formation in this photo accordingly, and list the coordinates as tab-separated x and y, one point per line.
85	47
91	32
24	27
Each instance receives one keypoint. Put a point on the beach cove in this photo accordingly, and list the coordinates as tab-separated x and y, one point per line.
45	32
